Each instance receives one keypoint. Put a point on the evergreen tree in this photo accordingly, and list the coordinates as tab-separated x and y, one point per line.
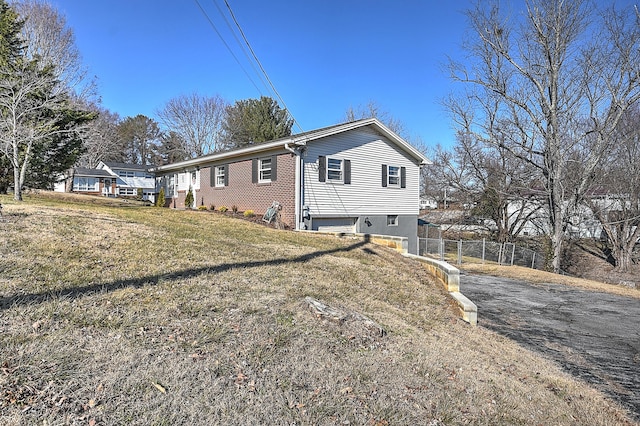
254	121
161	198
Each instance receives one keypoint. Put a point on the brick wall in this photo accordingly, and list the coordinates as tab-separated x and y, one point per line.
246	195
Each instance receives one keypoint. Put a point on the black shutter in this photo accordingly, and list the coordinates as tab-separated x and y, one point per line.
384	175
226	175
274	168
212	176
403	177
347	172
254	170
322	168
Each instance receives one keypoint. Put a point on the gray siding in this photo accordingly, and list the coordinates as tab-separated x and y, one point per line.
367	151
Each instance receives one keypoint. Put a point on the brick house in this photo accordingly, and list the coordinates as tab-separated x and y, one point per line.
356	177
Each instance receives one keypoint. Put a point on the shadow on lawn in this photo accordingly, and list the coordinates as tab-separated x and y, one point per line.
77	292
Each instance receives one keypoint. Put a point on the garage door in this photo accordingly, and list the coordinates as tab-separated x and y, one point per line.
346	225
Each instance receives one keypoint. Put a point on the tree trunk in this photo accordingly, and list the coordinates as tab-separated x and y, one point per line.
17	187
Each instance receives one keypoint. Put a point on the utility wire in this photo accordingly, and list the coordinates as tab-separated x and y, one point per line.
227	46
255	57
244	50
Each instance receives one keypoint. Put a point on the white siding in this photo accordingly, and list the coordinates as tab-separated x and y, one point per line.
367	151
185	180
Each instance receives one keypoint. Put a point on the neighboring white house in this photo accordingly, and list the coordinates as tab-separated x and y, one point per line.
356	177
131	178
428	203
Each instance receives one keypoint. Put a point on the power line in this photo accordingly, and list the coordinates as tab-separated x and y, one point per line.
227	46
255	57
246	54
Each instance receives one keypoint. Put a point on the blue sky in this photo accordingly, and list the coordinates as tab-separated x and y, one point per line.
322	56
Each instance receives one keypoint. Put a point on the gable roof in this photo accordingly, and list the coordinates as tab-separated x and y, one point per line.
301	139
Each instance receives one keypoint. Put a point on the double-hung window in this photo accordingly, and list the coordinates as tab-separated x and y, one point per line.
336	170
264	170
220	173
394	176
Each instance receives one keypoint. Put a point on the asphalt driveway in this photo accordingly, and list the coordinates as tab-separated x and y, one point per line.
594	336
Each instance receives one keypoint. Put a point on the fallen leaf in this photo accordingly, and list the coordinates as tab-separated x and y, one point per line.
159	387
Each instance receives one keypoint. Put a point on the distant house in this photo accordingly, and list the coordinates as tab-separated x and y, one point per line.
110	180
88	181
131	179
428	203
356	177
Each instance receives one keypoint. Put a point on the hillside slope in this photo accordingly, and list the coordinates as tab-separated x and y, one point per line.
121	314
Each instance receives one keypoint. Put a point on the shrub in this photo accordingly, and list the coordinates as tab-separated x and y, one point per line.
160	201
202	207
234	209
212	207
248	213
223	209
188	200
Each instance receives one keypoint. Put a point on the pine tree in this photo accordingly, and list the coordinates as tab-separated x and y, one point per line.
161	199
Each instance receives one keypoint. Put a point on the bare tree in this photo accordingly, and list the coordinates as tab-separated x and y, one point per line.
48	39
197	120
101	138
615	201
545	74
31	112
373	110
492	182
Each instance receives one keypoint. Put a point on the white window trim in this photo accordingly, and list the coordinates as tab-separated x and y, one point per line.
340	170
396	176
392	220
262	170
220	172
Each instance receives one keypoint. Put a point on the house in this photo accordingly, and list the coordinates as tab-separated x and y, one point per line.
87	181
132	180
356	177
110	180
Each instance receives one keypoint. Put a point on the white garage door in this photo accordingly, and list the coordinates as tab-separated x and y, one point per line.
346	225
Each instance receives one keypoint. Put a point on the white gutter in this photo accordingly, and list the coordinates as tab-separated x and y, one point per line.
297	180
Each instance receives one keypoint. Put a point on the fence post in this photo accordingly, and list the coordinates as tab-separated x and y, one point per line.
533	260
513	253
441	249
484	245
460	252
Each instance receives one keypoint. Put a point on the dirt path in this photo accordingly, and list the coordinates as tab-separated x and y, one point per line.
594	336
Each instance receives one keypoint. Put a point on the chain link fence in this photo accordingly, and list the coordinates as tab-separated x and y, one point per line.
487	251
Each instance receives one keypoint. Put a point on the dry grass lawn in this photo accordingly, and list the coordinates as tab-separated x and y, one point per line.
539	277
113	313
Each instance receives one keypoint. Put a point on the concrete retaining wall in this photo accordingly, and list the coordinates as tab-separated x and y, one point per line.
449	276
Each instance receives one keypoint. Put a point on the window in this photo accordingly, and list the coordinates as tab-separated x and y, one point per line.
127	191
125	173
394	176
220	176
85	184
335	170
392	220
264	170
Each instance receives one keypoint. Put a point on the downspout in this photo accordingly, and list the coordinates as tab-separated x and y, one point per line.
298	188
